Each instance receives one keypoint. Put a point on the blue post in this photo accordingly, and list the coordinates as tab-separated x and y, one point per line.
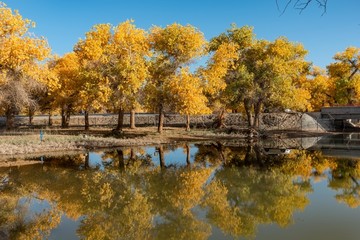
41	135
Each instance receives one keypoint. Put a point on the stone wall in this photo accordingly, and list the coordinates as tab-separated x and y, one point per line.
294	121
268	121
142	119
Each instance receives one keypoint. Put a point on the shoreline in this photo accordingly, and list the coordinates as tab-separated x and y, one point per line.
77	140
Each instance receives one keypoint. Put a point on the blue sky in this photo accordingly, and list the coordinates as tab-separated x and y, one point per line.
64	22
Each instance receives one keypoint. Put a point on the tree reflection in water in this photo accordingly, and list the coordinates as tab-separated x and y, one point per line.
135	196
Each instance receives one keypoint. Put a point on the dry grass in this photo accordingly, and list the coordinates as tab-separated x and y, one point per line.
76	139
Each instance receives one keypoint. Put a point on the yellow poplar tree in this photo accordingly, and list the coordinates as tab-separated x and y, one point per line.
94	89
174	46
345	73
65	95
214	74
187	91
128	53
45	96
277	69
265	74
20	53
321	88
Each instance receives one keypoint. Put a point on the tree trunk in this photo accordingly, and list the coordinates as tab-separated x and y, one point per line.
63	118
132	154
31	116
219	147
160	150
187	148
10	118
161	119
120	155
257	108
187	122
120	123
132	119
87	160
259	157
248	113
220	120
50	121
87	125
249	158
68	114
221	153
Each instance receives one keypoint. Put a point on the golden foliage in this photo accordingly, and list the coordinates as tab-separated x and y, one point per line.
174	46
188	190
187	93
178	43
253	73
217	67
128	53
322	89
19	49
95	43
93	85
284	78
20	72
226	217
345	75
65	80
241	199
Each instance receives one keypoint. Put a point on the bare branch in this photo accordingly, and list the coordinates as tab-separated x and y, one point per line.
284	9
301	5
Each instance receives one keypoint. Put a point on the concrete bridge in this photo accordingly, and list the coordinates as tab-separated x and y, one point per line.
341	113
341	116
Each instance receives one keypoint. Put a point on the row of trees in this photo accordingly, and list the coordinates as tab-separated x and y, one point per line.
124	68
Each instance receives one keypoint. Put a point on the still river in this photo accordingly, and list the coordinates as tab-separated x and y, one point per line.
188	191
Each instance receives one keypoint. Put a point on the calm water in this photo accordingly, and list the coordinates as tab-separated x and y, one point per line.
188	191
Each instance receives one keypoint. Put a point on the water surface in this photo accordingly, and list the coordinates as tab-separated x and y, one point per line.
187	191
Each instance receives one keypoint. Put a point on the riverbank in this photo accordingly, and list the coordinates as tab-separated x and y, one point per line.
27	143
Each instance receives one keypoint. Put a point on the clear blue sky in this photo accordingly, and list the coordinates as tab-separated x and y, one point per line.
64	22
